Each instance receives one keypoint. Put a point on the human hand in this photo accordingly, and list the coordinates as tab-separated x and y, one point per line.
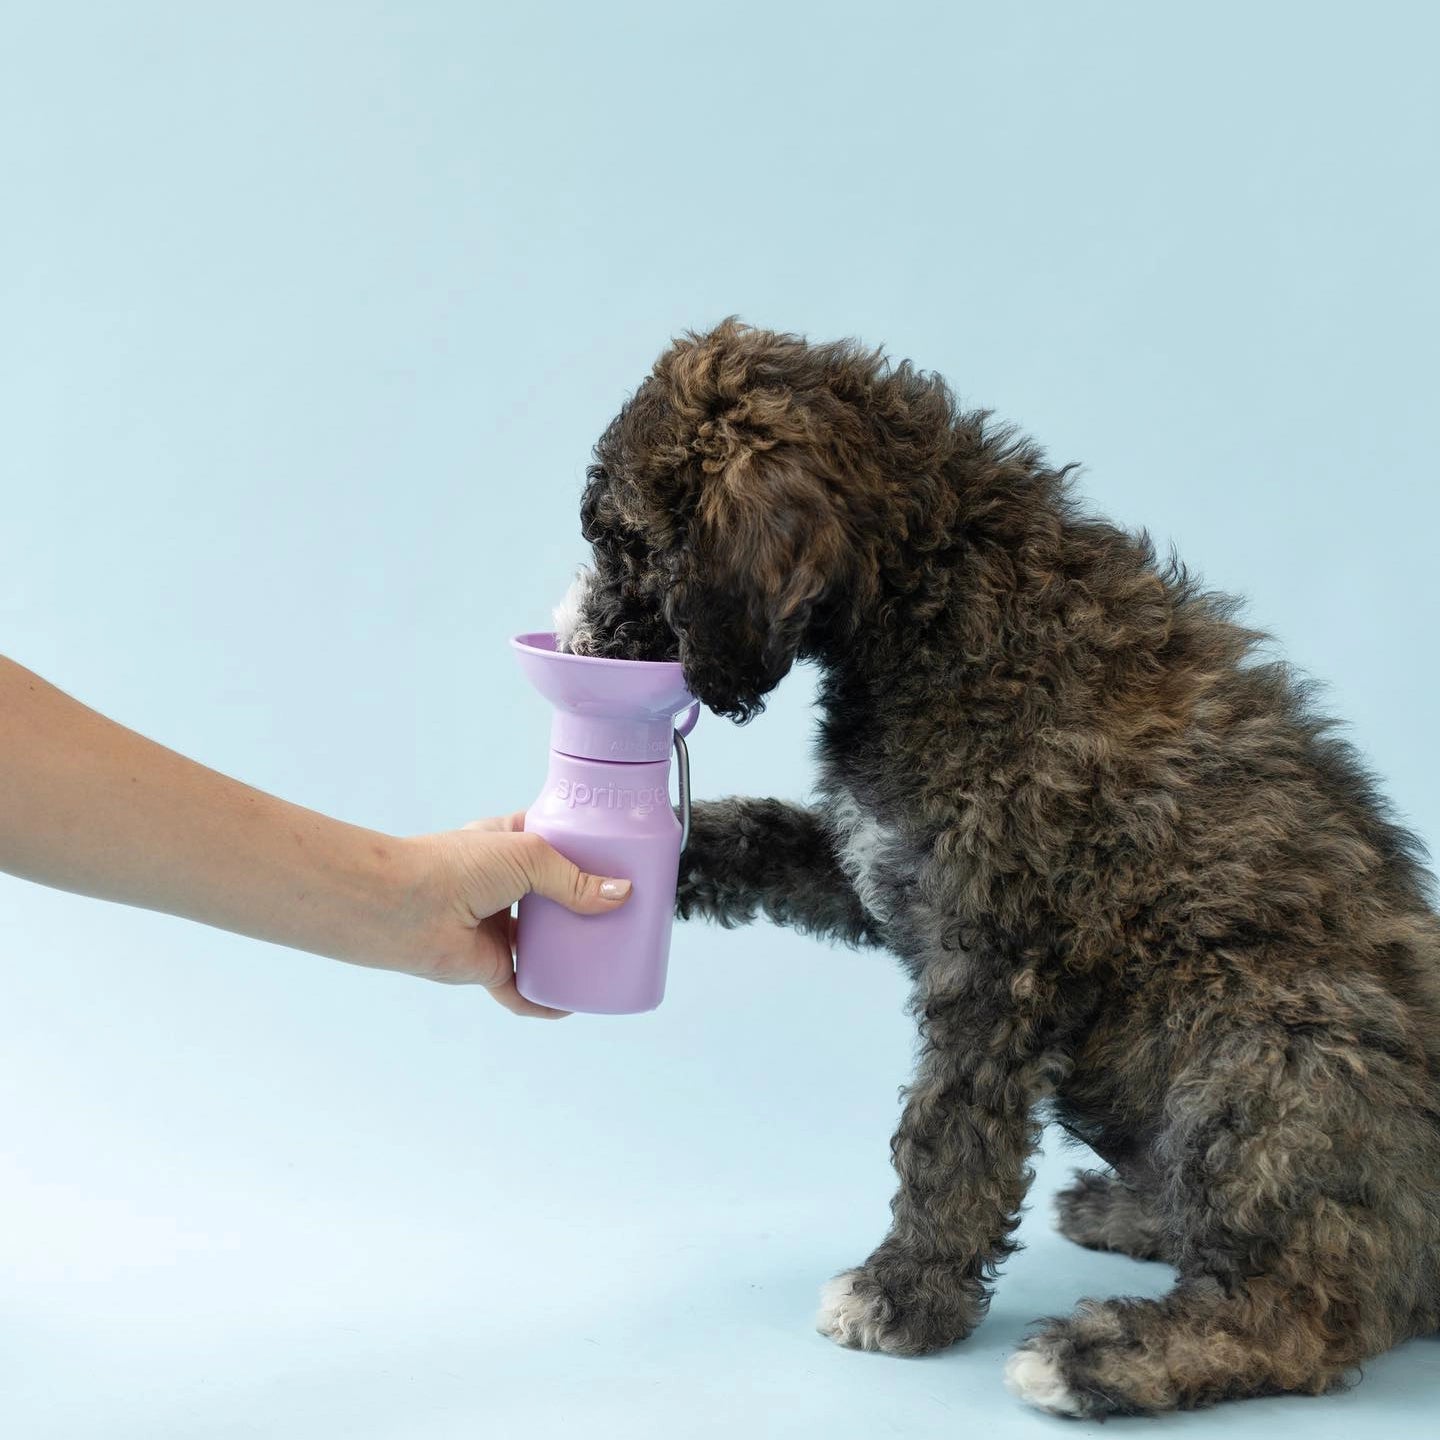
459	927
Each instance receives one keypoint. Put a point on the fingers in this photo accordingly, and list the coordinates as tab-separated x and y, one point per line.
506	993
549	873
494	969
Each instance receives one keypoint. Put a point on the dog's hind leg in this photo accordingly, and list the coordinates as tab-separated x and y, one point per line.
1101	1212
1296	1182
1193	1347
748	857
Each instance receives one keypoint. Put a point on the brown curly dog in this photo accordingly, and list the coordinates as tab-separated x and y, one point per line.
1139	884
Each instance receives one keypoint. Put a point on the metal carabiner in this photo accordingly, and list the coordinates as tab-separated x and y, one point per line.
682	769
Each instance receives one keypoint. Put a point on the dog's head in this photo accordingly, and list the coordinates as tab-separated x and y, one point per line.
739	506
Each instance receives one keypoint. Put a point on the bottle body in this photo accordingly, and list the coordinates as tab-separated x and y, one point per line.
609	818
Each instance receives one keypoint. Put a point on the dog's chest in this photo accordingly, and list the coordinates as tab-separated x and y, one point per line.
869	853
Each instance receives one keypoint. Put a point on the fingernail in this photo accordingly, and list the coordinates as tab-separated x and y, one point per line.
614	889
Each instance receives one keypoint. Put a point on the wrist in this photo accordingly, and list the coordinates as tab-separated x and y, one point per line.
382	884
326	887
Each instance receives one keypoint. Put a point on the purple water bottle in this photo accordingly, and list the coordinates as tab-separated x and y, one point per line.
606	806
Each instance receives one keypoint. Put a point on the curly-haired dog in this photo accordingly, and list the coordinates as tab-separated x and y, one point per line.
1131	872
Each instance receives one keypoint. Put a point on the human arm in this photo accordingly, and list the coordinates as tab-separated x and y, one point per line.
89	806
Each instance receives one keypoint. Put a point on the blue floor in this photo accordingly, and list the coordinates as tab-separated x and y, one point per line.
246	1193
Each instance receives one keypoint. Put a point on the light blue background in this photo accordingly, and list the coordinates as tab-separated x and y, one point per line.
311	313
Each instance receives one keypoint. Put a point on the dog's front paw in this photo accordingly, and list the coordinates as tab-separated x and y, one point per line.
849	1315
697	895
906	1312
709	886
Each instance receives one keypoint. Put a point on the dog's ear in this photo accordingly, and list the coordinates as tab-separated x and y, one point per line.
766	546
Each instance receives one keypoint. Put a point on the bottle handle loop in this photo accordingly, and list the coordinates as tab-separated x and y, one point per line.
682	769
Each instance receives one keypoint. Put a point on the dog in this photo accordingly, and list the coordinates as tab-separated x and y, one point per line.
1139	885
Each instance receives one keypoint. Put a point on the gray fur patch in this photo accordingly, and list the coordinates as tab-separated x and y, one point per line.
867	851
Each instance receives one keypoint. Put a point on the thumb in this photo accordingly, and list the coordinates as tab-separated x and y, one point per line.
549	873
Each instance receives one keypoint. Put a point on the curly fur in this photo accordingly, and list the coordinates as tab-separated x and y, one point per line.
1128	866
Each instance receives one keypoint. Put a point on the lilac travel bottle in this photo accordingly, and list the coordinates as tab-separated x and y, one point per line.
606	806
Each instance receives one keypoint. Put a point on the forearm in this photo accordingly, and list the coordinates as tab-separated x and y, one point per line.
89	806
